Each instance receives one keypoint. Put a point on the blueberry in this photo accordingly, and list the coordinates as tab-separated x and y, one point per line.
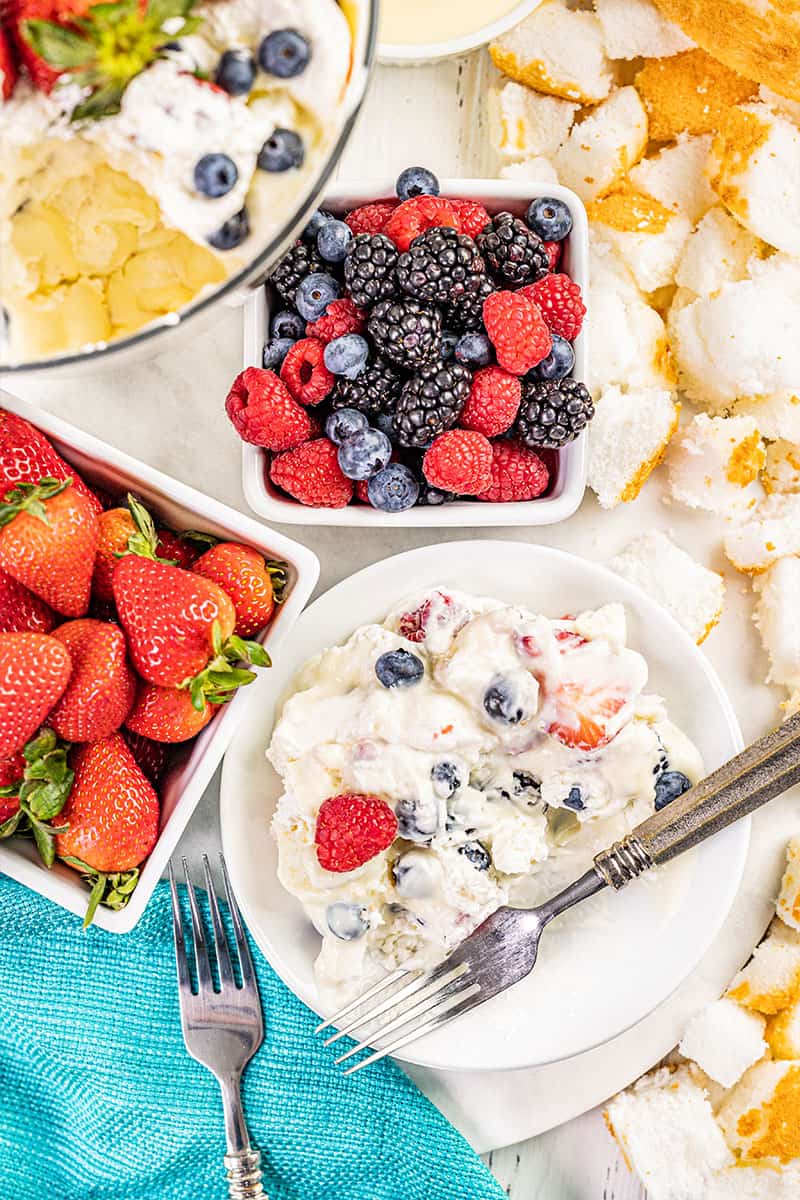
215	175
444	777
575	800
365	453
282	150
333	239
500	703
316	222
385	422
477	854
346	355
343	423
399	668
416	821
416	181
236	71
550	218
450	340
315	293
525	782
347	921
474	350
393	489
287	324
414	874
558	363
669	786
275	351
232	233
284	53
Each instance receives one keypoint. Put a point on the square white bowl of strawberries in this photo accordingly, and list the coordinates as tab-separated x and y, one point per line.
418	358
133	613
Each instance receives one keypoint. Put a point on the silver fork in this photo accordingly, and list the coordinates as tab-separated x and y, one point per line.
502	950
222	1029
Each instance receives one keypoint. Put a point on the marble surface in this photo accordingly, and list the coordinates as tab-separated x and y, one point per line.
167	409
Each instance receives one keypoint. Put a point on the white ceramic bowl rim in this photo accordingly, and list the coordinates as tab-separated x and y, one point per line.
410	53
275	918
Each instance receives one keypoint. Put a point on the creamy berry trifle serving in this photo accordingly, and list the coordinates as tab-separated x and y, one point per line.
462	755
420	351
150	150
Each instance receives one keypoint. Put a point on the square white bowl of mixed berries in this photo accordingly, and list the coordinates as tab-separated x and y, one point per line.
418	358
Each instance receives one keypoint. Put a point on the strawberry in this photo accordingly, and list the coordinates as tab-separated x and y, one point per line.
34	671
589	696
102	685
180	629
34	787
351	829
8	66
166	714
20	610
48	539
151	757
247	578
112	821
26	456
182	549
131	531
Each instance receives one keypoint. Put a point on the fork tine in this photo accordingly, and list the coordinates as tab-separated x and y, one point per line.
450	985
245	958
448	1012
218	930
204	978
184	982
375	990
415	987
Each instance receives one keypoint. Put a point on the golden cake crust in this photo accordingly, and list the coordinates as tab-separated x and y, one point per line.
689	93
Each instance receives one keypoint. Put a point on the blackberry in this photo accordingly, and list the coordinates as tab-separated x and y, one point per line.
466	316
375	390
430	402
514	254
553	413
441	266
292	269
406	331
369	269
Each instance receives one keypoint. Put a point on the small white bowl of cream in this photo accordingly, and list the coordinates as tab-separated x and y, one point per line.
419	31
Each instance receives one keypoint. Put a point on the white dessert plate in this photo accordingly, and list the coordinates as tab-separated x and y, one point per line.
622	954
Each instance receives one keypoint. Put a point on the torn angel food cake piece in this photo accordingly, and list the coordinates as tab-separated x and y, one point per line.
462	755
692	593
714	464
722	1122
119	205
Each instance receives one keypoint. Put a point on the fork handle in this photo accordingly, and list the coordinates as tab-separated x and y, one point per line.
244	1175
765	769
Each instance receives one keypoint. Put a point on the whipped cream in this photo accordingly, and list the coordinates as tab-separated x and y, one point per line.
526	745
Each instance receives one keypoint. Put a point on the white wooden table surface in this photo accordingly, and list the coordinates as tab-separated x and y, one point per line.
435	116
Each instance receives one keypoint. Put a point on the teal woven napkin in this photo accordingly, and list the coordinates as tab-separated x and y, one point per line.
100	1101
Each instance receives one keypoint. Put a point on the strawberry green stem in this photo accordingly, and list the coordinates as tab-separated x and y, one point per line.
217	682
30	498
112	889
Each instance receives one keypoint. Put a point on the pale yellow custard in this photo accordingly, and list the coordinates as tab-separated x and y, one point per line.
417	22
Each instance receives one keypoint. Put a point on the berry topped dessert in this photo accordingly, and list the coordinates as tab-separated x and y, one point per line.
461	755
420	350
150	150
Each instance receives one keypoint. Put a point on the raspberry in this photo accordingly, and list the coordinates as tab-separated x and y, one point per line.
264	413
471	217
340	317
351	829
492	402
362	494
371	218
517	474
414	216
304	371
553	251
443	611
559	300
311	473
459	460
517	331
